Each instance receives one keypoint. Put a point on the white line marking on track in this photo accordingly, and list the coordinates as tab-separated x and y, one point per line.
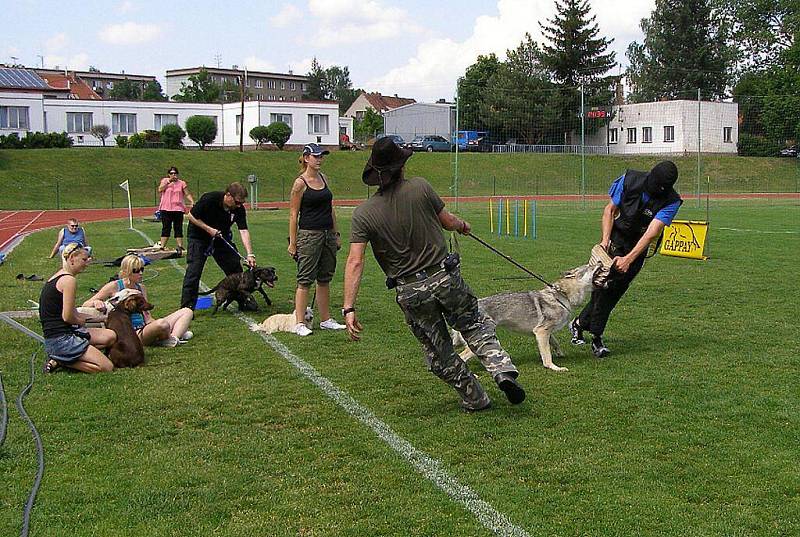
759	231
8	216
430	468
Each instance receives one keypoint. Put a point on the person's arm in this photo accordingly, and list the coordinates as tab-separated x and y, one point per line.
162	186
623	263
70	315
187	194
352	281
202	225
298	187
451	222
248	247
98	300
59	240
606	223
145	314
336	229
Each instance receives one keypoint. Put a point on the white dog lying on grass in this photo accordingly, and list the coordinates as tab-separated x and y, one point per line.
282	322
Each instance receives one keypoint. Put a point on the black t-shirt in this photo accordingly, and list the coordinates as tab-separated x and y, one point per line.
51	305
212	212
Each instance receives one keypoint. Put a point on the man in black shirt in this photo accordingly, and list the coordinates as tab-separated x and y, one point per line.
210	222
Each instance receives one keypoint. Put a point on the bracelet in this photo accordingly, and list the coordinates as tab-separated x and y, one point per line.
345	311
251	255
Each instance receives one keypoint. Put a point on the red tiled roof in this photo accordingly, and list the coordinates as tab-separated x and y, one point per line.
382	103
75	85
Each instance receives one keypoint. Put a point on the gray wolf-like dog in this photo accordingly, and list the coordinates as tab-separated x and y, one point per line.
540	312
283	322
240	286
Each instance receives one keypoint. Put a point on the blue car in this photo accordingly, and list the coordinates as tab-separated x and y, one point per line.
430	144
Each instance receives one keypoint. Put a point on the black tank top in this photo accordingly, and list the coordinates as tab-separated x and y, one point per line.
316	207
51	305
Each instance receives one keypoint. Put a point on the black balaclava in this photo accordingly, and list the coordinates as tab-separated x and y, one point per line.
661	179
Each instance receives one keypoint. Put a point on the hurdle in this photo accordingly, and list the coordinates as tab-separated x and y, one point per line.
500	221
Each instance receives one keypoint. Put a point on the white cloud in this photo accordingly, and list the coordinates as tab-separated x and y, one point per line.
56	43
129	33
433	71
76	62
352	21
254	63
126	7
286	16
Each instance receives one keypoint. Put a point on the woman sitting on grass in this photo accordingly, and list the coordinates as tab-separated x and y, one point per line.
165	332
66	340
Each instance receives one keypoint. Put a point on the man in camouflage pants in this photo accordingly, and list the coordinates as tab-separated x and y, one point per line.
403	222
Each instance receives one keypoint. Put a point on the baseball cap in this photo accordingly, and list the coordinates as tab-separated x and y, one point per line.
315	149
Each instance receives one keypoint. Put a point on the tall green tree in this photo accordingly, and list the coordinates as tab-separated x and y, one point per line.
126	90
685	48
471	89
200	89
153	92
368	126
331	84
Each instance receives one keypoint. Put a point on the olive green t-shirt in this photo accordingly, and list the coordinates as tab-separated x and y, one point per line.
402	225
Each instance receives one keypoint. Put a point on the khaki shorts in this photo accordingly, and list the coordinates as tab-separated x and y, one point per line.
316	256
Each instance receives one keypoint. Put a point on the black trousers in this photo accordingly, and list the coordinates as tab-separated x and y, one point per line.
172	219
595	315
196	254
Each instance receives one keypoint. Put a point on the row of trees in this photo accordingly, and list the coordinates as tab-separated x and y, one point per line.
744	49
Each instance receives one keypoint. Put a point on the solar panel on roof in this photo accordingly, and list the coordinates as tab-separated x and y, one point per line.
20	78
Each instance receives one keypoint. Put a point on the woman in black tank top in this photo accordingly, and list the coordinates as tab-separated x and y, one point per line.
66	341
313	239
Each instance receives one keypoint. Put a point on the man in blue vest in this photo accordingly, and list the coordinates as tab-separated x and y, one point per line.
641	205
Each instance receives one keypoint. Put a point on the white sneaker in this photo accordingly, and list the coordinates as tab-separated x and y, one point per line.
171	341
187	335
301	330
330	324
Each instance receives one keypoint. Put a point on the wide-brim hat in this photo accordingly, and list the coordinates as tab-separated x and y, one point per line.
386	158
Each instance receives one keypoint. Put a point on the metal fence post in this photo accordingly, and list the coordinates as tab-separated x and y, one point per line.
698	148
112	194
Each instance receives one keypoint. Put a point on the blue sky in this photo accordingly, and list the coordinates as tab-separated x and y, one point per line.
413	48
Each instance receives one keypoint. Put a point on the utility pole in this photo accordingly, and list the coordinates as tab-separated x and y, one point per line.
241	121
41	60
218	59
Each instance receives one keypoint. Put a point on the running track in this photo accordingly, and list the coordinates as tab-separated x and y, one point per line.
14	225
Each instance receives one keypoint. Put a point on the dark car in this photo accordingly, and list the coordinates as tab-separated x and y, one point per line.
789	152
396	137
429	144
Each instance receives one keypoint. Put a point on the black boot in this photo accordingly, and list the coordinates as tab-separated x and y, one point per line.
507	382
599	350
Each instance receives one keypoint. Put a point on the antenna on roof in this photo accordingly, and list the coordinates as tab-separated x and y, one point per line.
218	59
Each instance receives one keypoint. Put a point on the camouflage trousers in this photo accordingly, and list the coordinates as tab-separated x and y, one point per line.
445	299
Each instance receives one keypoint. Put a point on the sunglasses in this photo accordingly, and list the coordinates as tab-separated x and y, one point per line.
138	271
72	225
173	173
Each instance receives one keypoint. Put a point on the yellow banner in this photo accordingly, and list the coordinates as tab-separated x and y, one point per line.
685	238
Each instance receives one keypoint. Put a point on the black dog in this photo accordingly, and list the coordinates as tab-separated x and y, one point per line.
240	286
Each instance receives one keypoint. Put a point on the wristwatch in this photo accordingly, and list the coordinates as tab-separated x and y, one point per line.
345	311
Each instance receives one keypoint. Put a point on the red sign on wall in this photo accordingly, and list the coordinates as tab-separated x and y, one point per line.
596	114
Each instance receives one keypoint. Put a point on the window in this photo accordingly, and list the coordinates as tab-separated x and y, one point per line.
110	85
292	86
282	118
270	84
123	123
632	136
283	84
258	96
317	124
303	87
613	135
14	117
238	124
259	83
727	134
164	119
669	133
647	135
271	97
79	121
294	98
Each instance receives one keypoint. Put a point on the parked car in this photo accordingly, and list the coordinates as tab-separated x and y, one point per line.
789	152
429	144
468	140
396	137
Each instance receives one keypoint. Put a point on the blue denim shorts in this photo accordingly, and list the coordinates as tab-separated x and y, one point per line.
66	348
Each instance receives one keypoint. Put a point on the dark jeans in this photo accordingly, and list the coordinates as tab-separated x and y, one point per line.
172	219
595	315
196	255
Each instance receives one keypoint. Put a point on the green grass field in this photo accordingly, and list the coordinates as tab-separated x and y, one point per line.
690	428
88	178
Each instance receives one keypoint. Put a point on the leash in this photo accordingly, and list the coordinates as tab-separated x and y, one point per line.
510	260
231	246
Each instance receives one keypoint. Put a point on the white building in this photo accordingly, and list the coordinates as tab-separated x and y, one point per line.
28	111
421	119
670	127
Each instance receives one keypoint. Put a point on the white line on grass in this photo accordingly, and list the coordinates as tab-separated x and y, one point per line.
430	468
759	231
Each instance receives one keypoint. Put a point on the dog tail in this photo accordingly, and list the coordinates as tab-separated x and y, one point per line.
210	290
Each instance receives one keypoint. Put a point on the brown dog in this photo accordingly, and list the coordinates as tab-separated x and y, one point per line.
239	287
128	351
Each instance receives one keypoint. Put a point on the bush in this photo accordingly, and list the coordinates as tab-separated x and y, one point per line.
35	140
201	130
136	141
122	141
260	135
150	135
278	133
172	136
757	146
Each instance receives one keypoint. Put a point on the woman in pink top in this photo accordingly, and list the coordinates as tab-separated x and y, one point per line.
173	190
